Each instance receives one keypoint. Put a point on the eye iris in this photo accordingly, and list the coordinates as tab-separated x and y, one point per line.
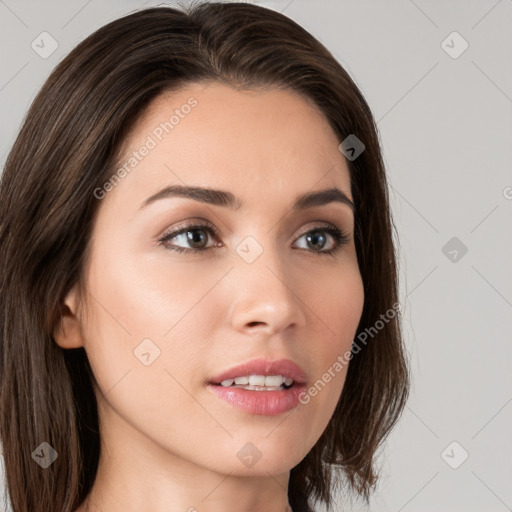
193	239
314	236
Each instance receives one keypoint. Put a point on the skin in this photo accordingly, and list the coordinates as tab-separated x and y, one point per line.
167	442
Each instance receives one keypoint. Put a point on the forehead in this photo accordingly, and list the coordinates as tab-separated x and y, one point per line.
253	142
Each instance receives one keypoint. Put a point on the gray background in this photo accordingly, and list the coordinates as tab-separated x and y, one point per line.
445	125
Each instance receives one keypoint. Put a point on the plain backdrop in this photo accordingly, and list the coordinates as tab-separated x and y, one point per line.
438	77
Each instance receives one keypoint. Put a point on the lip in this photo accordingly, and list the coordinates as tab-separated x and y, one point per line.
284	367
268	403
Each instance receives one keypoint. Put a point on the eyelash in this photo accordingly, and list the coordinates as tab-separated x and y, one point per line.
339	236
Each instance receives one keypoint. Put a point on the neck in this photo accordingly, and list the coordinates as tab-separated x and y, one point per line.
91	506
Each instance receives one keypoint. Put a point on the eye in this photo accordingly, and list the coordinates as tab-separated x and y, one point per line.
194	234
197	236
316	238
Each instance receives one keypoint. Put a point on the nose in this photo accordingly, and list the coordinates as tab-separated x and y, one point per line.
265	296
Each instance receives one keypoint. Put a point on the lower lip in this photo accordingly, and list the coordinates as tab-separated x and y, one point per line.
268	403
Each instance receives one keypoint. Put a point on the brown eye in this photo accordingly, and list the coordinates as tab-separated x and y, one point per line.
195	236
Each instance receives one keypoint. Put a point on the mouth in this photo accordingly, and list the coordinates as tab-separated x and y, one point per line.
258	382
260	386
261	374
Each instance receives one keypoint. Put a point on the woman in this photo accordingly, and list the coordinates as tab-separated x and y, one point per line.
199	287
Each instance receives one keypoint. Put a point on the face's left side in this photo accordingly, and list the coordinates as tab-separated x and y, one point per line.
163	323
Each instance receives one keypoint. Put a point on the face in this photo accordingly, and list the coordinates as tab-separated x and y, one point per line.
180	290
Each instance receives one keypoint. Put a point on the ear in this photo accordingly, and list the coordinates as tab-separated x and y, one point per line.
68	329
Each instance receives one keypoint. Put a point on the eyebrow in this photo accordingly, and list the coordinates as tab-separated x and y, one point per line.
228	200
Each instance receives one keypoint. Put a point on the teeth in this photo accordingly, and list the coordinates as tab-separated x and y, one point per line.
258	380
273	380
261	381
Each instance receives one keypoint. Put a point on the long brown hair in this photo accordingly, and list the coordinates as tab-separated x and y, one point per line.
67	148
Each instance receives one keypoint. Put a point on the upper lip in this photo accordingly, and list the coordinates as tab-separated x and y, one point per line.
284	367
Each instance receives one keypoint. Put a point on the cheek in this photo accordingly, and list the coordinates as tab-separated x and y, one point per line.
338	307
146	296
136	311
338	300
143	341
